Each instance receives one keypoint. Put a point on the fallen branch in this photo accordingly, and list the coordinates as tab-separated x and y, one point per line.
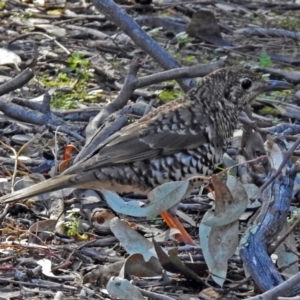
117	15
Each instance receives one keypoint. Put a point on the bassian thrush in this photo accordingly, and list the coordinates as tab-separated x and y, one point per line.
176	141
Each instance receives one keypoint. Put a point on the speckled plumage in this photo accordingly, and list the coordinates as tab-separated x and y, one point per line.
177	140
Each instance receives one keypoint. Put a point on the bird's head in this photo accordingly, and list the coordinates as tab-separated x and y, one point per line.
240	85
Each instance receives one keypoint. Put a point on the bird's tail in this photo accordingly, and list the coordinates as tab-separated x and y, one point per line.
47	186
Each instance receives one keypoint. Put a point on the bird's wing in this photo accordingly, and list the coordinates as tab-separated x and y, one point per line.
164	131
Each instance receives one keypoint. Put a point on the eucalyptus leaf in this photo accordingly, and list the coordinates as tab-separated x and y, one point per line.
161	199
215	267
120	288
131	240
231	202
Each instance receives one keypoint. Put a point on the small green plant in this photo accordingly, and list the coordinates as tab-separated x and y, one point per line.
27	15
155	31
293	216
77	60
78	64
265	60
63	77
183	38
72	226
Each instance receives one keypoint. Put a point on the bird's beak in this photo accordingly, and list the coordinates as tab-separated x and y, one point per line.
276	85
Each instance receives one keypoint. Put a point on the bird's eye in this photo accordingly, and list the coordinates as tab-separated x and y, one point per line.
246	83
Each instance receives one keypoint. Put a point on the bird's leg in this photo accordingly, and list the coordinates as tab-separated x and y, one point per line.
171	219
173	222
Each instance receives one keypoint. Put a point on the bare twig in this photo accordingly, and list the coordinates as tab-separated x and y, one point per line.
17	82
282	238
186	72
127	90
19	37
281	289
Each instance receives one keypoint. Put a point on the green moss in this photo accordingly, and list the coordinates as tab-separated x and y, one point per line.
74	76
166	13
267	110
66	101
116	63
277	95
190	60
55	12
169	95
27	15
289	23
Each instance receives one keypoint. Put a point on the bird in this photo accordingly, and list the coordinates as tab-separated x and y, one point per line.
175	141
